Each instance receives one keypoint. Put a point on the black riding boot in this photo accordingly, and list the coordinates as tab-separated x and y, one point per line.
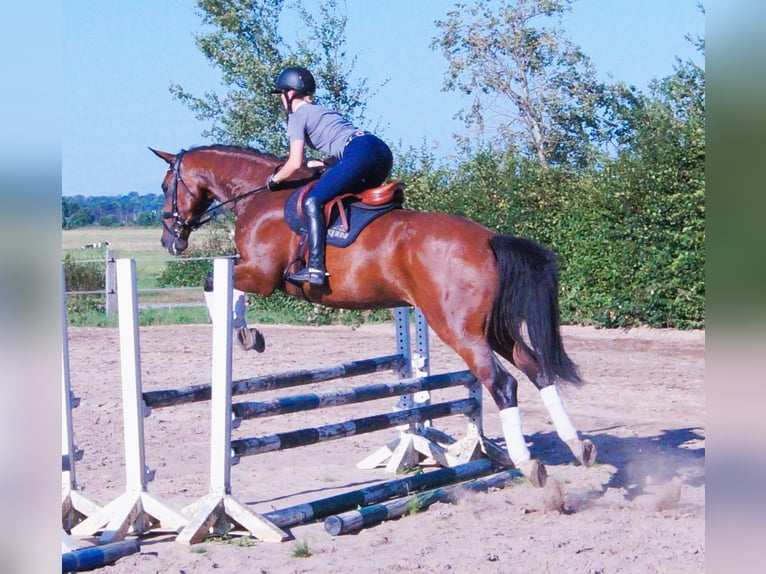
314	272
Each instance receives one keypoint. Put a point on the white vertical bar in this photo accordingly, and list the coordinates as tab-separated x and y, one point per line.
130	359
220	404
69	478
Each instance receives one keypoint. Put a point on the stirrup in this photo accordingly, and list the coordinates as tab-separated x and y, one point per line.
312	275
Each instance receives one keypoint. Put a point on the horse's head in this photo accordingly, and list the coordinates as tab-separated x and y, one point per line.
186	201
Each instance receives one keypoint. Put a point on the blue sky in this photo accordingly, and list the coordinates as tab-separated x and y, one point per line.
119	58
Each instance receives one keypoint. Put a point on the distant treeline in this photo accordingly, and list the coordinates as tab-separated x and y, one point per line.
110	211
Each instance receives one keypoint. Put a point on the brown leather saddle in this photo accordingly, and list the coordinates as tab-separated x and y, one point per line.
389	193
346	215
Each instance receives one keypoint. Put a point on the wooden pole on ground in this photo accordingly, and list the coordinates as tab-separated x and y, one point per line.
377	493
357	519
83	559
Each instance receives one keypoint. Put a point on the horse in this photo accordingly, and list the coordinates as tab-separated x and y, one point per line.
483	294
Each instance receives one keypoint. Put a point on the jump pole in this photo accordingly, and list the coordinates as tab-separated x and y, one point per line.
354	520
136	510
377	493
203	392
75	507
219	508
346	396
83	559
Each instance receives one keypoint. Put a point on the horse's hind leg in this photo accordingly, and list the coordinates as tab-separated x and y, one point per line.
503	387
503	390
583	450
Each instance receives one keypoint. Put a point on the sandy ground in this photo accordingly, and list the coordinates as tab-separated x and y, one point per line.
643	406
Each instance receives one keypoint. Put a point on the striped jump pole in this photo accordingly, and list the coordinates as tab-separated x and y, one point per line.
136	510
284	405
307	436
75	506
377	493
83	559
354	520
427	445
195	393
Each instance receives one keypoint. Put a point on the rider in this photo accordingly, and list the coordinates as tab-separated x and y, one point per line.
364	161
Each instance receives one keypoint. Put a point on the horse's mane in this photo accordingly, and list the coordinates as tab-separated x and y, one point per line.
235	149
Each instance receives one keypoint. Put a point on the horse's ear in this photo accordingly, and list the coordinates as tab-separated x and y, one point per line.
168	157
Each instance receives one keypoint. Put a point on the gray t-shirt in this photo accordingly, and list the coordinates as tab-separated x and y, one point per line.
321	128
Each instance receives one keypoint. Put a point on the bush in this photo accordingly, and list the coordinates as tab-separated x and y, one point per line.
190	271
84	276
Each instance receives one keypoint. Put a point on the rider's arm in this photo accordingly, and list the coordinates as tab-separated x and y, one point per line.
294	161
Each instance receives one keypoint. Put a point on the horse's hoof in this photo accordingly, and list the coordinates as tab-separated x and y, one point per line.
534	471
583	450
588	453
251	339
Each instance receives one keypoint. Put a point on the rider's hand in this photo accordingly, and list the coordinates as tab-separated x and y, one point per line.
274	185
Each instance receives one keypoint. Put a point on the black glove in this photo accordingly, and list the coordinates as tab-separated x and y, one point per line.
274	185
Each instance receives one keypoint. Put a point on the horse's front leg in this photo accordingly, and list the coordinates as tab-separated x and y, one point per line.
249	338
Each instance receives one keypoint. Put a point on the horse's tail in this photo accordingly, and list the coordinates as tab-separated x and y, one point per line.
528	294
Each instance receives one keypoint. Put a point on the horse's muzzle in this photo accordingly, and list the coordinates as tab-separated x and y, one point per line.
174	245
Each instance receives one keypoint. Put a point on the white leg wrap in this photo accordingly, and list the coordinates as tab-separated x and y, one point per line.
514	438
238	312
210	303
552	401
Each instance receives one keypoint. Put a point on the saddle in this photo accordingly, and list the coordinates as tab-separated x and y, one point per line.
348	214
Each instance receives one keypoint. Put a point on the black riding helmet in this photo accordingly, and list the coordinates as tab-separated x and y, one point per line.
295	78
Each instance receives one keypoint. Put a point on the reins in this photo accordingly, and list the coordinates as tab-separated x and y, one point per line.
220	204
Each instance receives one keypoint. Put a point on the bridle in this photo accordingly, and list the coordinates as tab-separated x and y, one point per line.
179	224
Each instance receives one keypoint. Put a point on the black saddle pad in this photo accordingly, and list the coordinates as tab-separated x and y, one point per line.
358	215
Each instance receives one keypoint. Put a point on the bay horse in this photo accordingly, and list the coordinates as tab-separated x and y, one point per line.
482	293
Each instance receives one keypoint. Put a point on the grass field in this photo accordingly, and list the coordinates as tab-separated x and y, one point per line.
139	243
143	245
131	241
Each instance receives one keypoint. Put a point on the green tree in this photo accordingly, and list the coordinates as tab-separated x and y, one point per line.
243	41
149	219
636	241
79	217
533	90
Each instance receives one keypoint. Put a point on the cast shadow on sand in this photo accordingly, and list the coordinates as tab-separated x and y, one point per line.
639	460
